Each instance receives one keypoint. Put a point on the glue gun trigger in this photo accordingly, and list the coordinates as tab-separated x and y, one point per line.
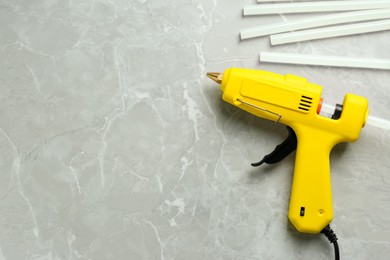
281	151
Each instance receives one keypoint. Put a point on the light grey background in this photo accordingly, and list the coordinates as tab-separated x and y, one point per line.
114	144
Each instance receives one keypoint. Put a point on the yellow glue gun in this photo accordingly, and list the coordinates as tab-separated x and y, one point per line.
295	102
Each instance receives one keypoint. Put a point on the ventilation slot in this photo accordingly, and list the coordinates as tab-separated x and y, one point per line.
305	103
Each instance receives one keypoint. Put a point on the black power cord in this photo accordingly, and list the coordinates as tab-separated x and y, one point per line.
331	236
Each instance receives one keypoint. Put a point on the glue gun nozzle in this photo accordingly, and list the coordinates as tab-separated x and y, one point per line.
216	76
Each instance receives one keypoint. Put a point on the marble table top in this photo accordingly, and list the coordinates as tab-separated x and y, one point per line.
115	145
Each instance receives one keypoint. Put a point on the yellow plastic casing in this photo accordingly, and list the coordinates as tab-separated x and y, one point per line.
296	101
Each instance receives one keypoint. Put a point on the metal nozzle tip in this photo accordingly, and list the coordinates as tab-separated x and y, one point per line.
216	76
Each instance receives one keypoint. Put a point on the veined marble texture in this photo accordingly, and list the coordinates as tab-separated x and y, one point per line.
114	144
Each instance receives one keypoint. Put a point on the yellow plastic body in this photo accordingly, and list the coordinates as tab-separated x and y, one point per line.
296	101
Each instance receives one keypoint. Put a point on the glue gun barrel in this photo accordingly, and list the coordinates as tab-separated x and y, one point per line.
326	108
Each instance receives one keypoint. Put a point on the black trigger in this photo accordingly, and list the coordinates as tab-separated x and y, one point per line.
281	151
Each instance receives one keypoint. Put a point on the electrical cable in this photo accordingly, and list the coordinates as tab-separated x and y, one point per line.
331	236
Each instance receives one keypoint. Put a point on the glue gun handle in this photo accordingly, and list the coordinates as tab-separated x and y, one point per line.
311	195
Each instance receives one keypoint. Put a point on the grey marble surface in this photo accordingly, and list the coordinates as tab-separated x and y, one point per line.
114	144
